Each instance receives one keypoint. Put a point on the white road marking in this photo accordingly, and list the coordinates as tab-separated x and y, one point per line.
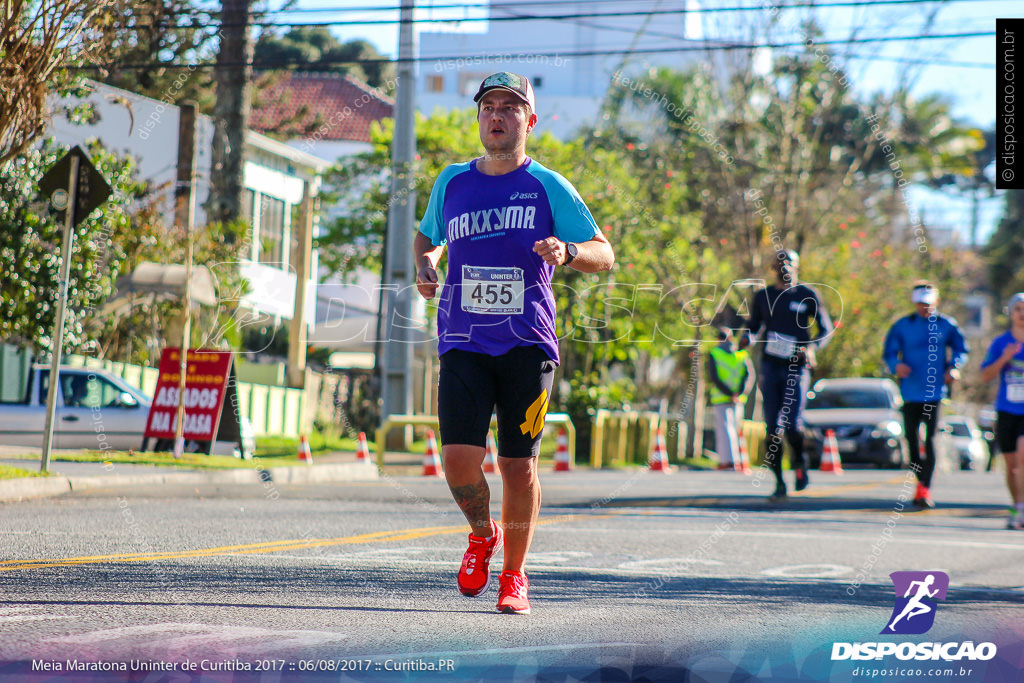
130	632
809	571
665	564
558	557
817	536
227	640
503	651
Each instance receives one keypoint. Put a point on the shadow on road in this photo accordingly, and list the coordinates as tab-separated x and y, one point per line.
393	590
795	503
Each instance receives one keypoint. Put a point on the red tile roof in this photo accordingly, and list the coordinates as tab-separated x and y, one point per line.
337	107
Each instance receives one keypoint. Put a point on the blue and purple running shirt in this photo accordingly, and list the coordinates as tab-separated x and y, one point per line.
497	294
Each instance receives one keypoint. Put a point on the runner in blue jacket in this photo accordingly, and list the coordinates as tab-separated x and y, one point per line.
925	350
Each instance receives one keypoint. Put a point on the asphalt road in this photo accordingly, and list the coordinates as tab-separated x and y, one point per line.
634	575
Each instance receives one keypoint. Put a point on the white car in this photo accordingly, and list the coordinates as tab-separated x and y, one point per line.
966	442
95	410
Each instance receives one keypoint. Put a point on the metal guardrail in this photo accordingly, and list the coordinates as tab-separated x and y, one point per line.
393	421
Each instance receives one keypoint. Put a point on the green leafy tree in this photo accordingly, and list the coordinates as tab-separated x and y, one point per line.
164	50
809	166
1005	249
30	244
317	49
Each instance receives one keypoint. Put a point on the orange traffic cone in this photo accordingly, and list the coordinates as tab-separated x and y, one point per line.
362	450
431	459
491	454
830	461
304	454
563	463
659	458
744	464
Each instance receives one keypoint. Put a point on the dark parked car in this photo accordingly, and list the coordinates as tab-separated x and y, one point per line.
864	413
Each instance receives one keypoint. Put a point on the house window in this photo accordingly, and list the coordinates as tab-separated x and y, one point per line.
272	228
435	83
251	224
248	197
469	82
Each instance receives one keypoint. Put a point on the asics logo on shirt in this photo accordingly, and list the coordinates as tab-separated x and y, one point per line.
524	195
491	220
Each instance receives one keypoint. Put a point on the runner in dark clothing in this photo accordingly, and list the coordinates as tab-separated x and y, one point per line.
783	312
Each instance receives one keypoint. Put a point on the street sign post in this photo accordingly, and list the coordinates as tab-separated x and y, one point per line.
74	188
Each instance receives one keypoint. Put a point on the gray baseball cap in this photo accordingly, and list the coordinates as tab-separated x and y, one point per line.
514	83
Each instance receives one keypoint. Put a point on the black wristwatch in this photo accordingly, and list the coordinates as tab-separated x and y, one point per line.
571	250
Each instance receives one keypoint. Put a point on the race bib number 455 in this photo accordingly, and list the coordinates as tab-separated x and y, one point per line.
492	291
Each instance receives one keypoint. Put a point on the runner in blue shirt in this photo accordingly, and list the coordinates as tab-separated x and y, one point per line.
1005	360
507	223
925	350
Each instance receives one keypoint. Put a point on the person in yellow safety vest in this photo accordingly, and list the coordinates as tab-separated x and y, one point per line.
730	377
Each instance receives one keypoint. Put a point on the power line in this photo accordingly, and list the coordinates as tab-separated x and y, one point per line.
424	8
581	53
922	62
583	15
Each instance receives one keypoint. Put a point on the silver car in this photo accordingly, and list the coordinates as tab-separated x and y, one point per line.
967	444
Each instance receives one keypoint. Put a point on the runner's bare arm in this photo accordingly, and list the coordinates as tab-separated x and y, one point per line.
594	255
990	372
427	256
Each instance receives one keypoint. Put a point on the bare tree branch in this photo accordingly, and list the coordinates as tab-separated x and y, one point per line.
38	41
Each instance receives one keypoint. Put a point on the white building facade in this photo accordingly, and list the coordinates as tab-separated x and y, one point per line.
276	177
570	60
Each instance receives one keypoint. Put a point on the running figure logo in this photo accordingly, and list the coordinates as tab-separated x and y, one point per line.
917	596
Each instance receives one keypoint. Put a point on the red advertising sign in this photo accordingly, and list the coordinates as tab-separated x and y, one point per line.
206	381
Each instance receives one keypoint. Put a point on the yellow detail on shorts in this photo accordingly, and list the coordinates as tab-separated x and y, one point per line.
535	415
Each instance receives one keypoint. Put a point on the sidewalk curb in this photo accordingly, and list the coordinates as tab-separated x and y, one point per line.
15	490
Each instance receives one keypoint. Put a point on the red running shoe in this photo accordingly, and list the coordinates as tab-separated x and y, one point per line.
474	574
513	588
923	497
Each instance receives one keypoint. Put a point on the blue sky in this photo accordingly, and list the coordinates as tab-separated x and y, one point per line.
962	69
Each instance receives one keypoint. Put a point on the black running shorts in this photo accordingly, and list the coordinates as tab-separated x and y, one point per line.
1009	428
516	385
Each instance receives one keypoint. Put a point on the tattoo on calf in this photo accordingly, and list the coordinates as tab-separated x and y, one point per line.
474	500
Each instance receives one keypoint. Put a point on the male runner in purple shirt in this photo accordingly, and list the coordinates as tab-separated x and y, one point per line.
507	222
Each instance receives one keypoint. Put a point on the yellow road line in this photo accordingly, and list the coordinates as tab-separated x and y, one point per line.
843	488
255	548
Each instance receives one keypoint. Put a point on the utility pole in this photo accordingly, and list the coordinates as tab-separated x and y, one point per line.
302	258
397	280
231	111
184	217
